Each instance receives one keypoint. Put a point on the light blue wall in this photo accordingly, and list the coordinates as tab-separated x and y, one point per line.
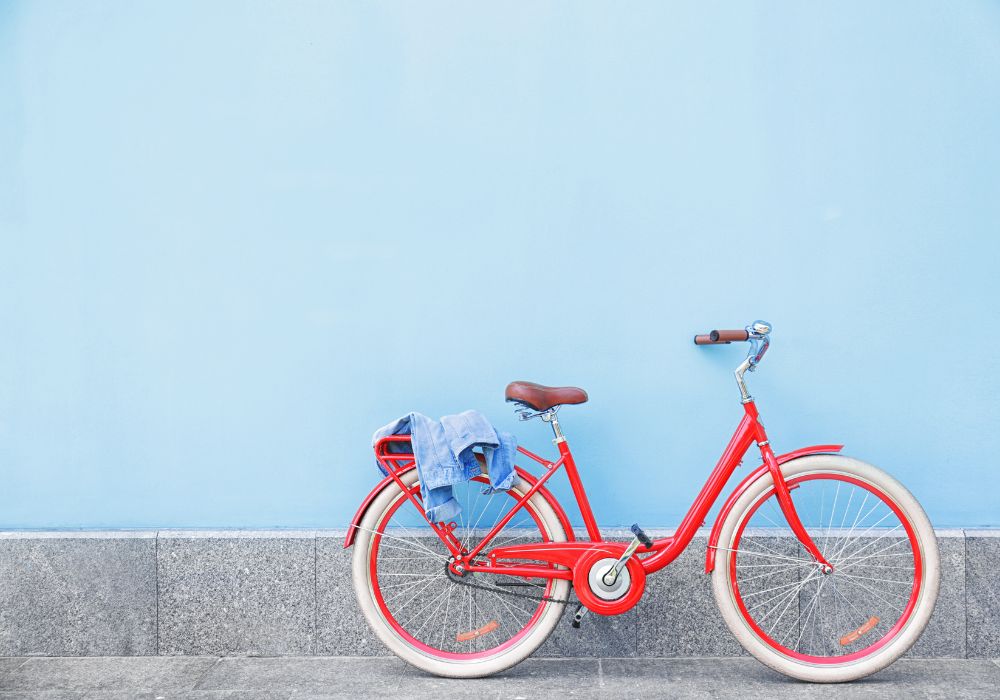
239	236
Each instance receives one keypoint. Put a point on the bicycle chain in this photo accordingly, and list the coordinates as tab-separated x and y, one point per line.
547	599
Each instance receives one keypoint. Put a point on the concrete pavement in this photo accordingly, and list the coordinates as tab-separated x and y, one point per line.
267	678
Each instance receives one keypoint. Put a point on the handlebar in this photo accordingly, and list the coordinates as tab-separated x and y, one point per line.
721	337
757	333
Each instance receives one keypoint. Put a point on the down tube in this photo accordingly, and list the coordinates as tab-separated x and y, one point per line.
695	518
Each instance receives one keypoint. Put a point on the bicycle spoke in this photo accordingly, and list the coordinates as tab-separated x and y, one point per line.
798	585
870	579
810	609
404	589
775	588
854	554
478	519
510	538
444	623
861	615
793	596
768	519
409	600
767	573
874	565
782	564
851	582
833	511
429	551
429	617
851	541
762	554
856	517
757	543
406	584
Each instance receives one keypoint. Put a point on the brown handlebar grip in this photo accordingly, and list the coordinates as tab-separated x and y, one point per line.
721	337
729	336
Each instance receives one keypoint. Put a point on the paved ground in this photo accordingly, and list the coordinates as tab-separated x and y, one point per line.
161	678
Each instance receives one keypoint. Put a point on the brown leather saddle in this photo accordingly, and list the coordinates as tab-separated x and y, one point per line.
542	398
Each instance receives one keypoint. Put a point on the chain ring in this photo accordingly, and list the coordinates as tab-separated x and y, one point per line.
581	583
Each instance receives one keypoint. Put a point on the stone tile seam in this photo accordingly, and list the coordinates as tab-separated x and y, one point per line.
314	642
965	587
156	590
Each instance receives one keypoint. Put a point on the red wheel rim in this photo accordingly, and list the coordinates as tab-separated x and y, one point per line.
861	653
419	644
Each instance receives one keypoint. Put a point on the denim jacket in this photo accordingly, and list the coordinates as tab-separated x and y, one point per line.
444	453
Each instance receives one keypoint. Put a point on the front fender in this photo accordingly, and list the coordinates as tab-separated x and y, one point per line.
352	529
713	539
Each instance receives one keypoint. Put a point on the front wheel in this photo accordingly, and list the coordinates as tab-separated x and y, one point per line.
838	626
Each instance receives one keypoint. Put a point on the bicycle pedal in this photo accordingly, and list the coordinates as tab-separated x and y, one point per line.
578	616
642	536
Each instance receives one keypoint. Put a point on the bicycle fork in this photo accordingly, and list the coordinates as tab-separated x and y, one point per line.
782	491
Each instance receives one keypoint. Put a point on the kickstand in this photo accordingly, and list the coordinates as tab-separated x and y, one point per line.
580	612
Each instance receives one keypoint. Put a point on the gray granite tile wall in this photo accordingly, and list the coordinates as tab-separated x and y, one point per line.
340	628
248	594
73	594
289	593
982	593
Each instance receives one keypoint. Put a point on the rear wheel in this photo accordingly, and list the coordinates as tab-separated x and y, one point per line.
434	620
838	626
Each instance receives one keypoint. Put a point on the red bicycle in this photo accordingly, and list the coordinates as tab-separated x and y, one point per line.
824	567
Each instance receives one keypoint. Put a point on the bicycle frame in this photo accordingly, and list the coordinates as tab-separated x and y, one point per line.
560	557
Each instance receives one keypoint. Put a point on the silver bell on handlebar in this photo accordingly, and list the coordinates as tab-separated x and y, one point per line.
759	328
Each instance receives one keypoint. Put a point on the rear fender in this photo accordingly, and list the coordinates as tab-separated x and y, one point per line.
757	473
352	530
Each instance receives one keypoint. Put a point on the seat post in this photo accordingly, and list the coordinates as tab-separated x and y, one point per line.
550	417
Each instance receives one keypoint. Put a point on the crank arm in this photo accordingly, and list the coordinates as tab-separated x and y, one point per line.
640	538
